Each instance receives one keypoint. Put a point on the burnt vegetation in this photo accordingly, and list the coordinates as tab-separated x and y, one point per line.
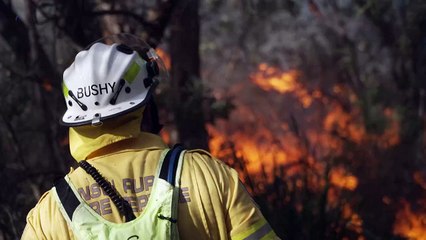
319	105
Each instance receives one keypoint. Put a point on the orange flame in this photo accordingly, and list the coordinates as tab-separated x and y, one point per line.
354	220
262	146
270	78
409	224
345	124
340	178
249	149
263	149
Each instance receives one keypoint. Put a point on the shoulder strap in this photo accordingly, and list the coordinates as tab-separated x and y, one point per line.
170	164
67	197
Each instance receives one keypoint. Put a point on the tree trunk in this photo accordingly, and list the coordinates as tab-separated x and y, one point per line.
185	74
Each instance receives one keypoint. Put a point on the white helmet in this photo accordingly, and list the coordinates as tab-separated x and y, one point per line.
106	81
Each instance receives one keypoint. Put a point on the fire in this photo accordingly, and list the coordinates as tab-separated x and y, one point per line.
262	149
261	142
345	124
354	220
249	149
342	179
269	78
410	224
266	145
351	126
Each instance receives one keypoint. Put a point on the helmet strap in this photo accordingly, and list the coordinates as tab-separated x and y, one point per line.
150	120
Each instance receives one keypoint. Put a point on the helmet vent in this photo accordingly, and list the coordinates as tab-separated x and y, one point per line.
82	106
120	86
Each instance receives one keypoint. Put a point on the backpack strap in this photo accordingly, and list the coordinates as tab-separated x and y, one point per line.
67	197
170	164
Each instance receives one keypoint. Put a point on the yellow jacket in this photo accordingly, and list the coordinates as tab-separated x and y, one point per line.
213	202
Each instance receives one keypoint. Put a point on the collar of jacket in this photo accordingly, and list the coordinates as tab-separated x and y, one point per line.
114	135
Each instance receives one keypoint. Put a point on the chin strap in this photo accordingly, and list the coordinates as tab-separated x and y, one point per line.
150	120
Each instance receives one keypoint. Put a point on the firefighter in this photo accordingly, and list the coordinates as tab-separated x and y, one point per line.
129	184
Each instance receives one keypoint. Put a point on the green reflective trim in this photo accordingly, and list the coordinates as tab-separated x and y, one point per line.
132	72
64	90
260	233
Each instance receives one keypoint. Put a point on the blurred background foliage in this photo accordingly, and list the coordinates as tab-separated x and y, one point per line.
319	105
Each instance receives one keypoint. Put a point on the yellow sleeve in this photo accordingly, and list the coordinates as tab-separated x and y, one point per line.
245	219
45	221
220	206
30	231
